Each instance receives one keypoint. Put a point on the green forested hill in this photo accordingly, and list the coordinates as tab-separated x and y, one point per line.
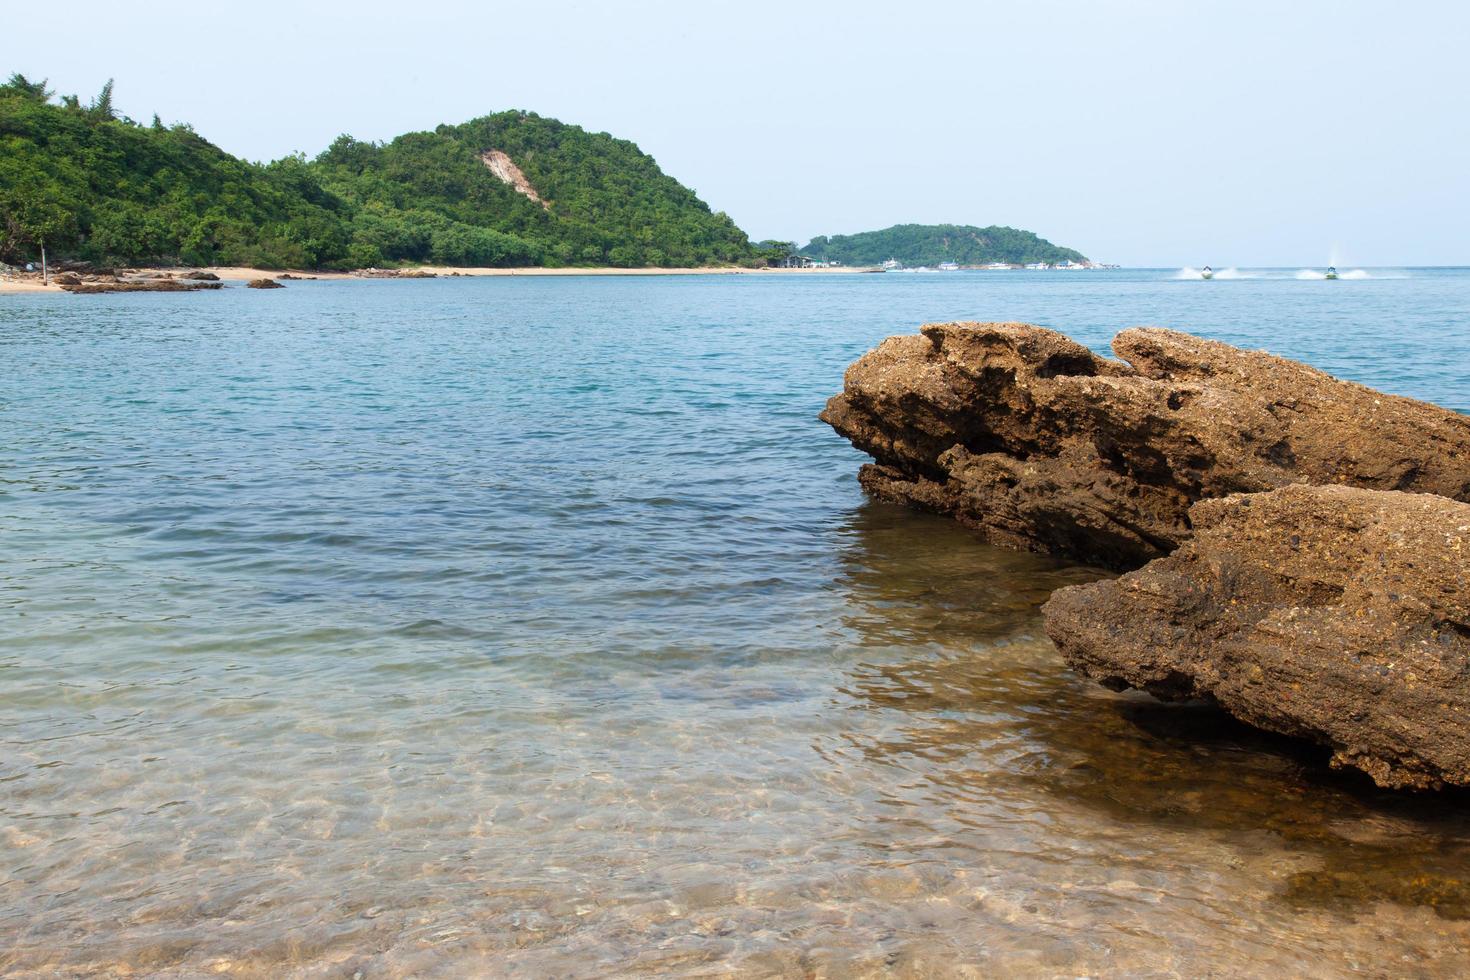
93	185
605	201
933	244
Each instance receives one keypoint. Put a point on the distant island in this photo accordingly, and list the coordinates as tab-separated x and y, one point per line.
509	189
964	245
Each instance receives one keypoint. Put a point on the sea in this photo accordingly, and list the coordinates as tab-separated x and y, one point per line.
535	626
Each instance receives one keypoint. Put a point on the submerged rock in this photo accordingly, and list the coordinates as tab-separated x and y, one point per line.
1039	444
1332	613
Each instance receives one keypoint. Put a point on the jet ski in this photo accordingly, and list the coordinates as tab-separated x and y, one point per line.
1207	273
1331	272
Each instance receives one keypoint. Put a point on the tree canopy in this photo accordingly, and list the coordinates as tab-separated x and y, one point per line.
602	200
92	184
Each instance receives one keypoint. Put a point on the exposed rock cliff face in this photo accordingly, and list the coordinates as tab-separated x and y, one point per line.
502	166
1331	613
1039	444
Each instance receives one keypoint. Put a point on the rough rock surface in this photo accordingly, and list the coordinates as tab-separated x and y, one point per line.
137	286
504	168
1331	613
263	284
371	273
1039	444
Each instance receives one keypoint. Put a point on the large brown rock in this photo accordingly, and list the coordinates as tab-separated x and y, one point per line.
1331	613
1039	444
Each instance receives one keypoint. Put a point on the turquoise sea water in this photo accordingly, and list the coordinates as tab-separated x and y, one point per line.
535	625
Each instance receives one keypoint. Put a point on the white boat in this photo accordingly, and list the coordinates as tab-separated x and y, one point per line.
893	264
998	266
1331	272
949	266
1207	273
1037	265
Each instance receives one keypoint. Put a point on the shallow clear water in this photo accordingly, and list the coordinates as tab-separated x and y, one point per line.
536	625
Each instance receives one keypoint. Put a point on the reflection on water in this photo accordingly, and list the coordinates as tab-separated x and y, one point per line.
1133	817
416	652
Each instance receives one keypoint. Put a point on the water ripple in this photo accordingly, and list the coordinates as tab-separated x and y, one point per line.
531	625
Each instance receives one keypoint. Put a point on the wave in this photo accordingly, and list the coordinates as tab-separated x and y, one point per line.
1189	272
1350	274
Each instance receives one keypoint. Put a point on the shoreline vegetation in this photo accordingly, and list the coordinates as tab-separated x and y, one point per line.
510	191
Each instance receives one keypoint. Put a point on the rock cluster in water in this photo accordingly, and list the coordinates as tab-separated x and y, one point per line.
83	277
1036	442
1315	583
122	283
374	273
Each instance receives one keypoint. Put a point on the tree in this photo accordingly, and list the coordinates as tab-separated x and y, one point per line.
35	211
774	253
101	106
27	89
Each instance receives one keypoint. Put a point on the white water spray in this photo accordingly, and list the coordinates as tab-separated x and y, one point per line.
1189	272
1319	274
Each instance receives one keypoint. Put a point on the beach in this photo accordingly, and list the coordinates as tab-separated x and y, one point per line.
31	283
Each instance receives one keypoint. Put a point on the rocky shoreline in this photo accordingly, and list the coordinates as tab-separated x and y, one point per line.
1304	541
18	281
83	278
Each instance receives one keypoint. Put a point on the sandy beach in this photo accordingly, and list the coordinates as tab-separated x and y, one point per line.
9	285
29	283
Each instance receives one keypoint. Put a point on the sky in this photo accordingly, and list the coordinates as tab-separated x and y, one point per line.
1142	133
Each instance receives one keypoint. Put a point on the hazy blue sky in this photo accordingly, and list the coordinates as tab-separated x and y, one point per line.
1141	133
